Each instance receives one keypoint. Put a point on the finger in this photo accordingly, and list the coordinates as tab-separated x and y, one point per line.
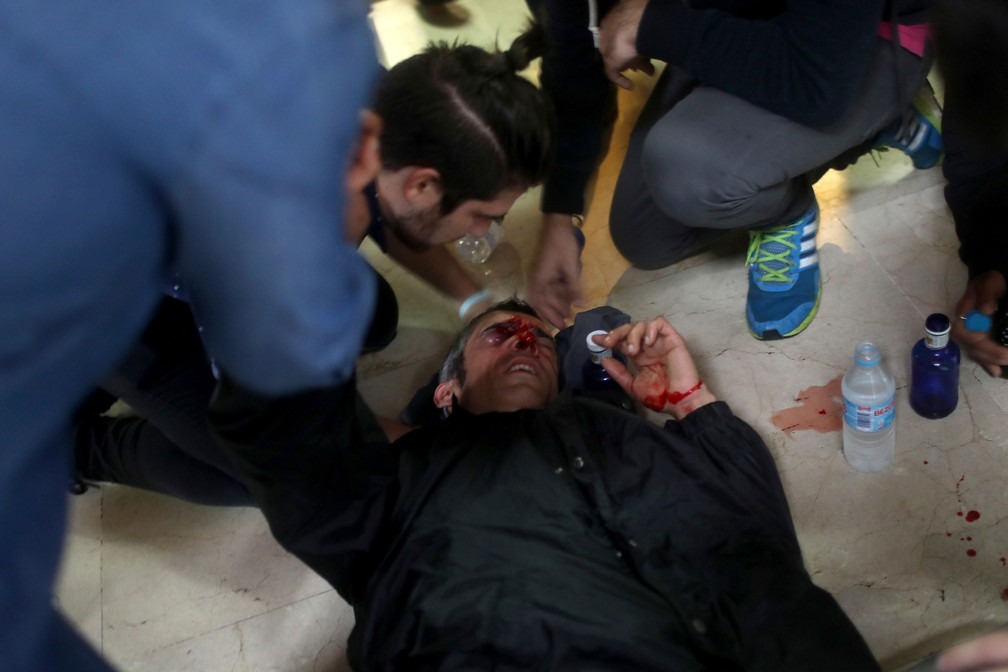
558	318
642	64
576	295
616	335
619	373
657	328
967	302
552	314
620	80
631	344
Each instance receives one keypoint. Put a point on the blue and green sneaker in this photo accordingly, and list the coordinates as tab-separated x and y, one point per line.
917	133
784	286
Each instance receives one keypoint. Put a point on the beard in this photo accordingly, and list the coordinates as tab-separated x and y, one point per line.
416	229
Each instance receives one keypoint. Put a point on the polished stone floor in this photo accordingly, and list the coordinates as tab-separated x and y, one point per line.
160	585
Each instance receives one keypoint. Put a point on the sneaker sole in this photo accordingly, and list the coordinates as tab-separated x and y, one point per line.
774	335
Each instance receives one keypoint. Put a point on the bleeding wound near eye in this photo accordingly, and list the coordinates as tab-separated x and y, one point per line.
525	331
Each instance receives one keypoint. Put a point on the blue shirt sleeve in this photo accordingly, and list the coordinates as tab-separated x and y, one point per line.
284	300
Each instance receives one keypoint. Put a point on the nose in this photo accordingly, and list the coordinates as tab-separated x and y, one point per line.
526	340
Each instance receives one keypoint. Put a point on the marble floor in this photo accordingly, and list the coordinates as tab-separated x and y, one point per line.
160	585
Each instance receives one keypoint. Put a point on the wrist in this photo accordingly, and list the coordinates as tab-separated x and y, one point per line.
680	403
563	220
564	224
687	406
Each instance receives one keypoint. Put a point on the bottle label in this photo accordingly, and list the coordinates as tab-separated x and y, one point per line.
870	418
936	341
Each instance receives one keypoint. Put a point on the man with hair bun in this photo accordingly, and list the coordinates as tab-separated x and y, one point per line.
453	136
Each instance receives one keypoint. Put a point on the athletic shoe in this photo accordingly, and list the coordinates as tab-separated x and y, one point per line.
917	133
784	286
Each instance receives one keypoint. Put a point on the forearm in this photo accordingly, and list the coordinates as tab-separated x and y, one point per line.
740	452
436	266
976	193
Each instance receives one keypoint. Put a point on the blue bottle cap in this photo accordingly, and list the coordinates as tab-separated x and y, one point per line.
977	321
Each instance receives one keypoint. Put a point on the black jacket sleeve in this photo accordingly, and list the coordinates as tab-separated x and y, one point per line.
738	452
810	631
319	467
976	193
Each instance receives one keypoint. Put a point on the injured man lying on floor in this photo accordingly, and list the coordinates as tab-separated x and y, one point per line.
529	528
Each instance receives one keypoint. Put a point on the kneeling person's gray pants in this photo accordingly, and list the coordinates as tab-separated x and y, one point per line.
702	159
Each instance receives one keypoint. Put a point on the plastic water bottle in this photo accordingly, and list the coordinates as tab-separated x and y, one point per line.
869	396
595	377
934	370
477	249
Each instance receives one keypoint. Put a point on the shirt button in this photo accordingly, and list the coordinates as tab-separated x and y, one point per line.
578	463
699	626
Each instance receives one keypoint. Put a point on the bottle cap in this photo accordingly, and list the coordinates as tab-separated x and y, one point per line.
936	331
937	324
592	345
866	354
977	321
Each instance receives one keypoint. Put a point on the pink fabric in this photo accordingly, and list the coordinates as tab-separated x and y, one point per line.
912	38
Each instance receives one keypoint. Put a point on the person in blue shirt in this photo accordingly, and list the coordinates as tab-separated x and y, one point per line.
142	139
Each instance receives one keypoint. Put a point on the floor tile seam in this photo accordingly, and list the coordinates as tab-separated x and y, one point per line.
232	624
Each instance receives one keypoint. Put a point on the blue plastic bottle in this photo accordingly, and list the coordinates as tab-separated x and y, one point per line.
596	378
934	371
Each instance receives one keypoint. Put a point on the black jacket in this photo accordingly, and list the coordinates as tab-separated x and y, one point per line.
579	537
977	190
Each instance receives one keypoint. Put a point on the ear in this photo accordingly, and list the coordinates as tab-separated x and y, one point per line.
444	393
422	187
364	159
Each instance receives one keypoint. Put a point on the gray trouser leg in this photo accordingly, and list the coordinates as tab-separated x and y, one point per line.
701	159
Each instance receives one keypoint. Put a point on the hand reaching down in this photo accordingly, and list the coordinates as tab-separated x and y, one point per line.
554	283
982	294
